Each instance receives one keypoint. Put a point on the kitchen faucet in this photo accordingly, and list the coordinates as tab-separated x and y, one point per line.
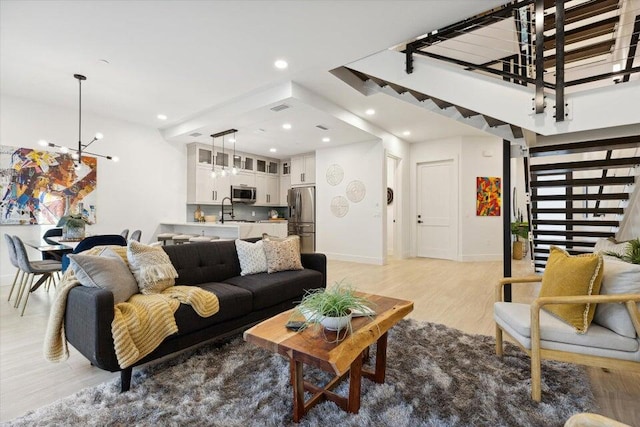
229	213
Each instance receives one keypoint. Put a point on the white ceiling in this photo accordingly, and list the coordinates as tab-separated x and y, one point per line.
180	58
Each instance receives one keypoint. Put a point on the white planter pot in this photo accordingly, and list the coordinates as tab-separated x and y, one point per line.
336	323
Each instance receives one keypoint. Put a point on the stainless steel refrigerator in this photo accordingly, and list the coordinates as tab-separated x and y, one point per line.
302	216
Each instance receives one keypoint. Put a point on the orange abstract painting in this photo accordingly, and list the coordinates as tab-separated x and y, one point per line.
488	196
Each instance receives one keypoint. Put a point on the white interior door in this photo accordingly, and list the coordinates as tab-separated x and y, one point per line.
391	207
436	210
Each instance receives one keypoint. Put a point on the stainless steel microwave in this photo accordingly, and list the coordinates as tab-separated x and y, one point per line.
243	194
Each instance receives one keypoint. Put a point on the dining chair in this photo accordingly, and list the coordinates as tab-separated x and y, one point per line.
125	233
52	232
92	241
136	235
32	269
13	258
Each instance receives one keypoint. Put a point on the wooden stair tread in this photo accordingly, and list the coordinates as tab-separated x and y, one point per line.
565	167
586	146
575	233
582	182
576	222
579	210
590	196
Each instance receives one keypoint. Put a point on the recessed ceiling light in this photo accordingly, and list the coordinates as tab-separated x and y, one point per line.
286	126
161	117
273	150
325	139
406	133
281	64
370	112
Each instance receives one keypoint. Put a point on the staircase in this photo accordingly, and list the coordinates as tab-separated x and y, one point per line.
578	193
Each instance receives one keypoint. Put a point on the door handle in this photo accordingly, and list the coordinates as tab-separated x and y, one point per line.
419	222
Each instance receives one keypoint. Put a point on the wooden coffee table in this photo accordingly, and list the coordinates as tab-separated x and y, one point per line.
344	358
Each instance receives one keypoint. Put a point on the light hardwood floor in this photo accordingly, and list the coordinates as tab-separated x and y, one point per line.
459	295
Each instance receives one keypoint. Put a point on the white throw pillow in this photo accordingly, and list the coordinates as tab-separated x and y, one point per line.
251	256
619	278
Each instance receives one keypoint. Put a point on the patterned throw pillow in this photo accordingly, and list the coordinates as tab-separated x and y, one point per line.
283	255
566	275
251	256
151	267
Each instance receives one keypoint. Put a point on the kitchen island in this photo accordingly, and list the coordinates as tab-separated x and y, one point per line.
230	230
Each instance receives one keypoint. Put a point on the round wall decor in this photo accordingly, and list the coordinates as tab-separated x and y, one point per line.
335	174
389	195
356	191
339	206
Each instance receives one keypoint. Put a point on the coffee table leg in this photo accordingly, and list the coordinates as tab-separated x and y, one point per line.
355	381
381	359
298	390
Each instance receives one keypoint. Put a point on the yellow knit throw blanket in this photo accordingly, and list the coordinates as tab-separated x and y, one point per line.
139	325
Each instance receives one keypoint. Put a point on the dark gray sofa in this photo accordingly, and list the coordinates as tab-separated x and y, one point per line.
214	266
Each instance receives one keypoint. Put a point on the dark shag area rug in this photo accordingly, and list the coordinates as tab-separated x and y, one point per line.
436	376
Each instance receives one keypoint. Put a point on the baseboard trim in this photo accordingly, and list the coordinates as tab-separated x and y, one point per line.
481	257
354	258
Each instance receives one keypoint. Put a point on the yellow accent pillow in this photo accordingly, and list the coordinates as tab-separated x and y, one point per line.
566	275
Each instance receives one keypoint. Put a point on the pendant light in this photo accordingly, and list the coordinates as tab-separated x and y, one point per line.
81	147
213	157
223	172
234	169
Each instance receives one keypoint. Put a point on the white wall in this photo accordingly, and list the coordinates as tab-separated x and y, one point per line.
359	235
146	186
480	238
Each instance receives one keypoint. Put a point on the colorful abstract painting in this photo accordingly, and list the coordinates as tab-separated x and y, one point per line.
36	186
488	196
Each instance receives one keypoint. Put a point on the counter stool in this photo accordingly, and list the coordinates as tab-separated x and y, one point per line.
165	237
180	239
200	239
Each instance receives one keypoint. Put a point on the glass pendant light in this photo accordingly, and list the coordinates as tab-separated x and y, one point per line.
234	169
223	172
213	157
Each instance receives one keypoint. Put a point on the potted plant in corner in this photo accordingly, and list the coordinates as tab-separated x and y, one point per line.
334	307
520	233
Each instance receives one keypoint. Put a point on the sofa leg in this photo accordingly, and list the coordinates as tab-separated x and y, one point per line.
125	379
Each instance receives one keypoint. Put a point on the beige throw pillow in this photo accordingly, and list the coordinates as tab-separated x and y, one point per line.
151	267
283	255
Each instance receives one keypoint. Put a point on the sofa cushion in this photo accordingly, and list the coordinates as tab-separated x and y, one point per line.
251	256
567	275
234	302
271	289
204	262
283	255
518	317
106	272
151	267
619	278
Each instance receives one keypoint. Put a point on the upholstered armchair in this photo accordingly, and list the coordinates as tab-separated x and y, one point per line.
611	340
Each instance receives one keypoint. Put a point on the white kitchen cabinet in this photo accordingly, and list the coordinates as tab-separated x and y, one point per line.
267	190
203	189
285	184
244	178
303	170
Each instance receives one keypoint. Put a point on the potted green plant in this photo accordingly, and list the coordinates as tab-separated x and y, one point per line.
520	233
333	307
